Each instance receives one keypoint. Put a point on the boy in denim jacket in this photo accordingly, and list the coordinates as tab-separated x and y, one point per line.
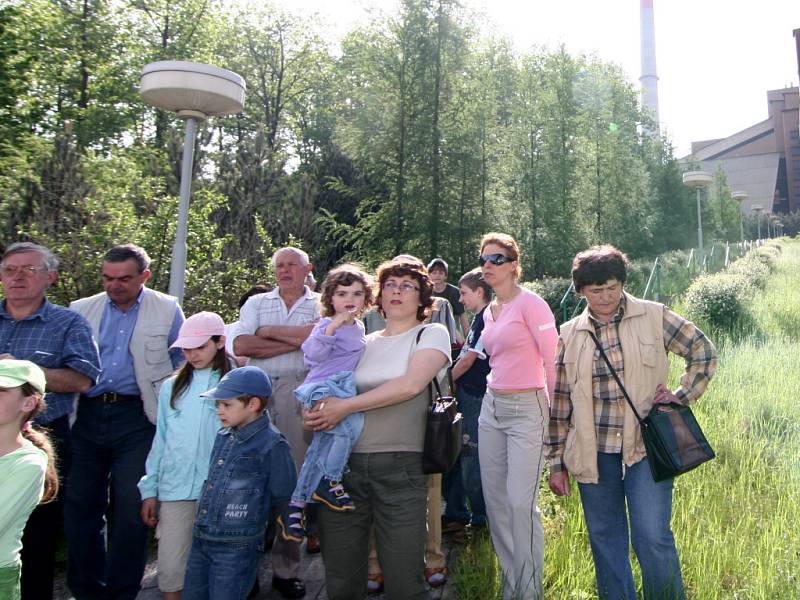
251	470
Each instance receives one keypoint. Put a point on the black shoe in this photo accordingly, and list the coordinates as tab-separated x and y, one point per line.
332	494
290	587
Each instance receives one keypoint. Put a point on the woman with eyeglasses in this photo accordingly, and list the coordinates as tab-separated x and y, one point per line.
385	480
520	337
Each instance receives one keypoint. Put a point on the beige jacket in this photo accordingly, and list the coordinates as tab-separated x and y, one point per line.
641	334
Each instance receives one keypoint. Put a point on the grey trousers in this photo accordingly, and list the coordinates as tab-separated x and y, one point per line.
284	411
511	429
389	490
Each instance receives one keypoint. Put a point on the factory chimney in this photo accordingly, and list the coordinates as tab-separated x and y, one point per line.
649	79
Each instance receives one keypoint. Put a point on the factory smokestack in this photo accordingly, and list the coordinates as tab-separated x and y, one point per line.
649	79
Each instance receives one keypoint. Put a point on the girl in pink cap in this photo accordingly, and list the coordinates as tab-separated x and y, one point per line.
178	461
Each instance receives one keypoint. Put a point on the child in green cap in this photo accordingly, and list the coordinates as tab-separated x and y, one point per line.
27	464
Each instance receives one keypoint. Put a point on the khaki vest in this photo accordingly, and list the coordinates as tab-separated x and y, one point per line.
641	333
149	344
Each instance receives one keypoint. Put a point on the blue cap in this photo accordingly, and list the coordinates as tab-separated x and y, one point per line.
245	381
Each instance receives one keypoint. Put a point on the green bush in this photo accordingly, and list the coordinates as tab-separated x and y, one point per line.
751	268
768	255
719	300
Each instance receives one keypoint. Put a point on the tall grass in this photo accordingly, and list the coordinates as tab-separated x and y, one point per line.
736	519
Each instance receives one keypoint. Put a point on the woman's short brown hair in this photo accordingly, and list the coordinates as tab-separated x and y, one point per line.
597	265
508	243
406	266
346	274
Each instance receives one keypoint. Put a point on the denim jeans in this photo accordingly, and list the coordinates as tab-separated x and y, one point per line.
649	508
220	570
110	442
329	450
327	455
463	481
389	490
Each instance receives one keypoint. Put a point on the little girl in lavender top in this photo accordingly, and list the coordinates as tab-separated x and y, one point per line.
331	352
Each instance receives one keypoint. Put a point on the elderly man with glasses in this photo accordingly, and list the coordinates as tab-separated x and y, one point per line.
61	343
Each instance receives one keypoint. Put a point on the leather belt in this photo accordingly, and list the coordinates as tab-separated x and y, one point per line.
114	397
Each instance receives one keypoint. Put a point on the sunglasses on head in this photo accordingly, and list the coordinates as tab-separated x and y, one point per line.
496	259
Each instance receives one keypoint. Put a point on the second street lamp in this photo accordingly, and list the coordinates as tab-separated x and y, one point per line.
698	180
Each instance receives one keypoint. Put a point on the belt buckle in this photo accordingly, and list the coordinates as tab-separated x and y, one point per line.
111	397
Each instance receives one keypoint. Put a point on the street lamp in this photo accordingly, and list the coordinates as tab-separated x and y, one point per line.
698	180
740	196
195	91
757	208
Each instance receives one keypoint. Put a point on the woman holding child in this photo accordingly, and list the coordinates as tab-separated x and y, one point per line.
385	480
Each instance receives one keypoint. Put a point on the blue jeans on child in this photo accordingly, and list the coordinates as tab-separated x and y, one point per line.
649	507
329	450
463	481
224	570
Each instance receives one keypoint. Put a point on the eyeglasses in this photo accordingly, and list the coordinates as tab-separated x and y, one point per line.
27	270
405	287
496	259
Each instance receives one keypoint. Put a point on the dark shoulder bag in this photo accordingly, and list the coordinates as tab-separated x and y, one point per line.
442	428
673	440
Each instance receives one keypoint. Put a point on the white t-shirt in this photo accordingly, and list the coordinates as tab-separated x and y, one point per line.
400	427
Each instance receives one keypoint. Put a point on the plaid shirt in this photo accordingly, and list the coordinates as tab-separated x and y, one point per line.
681	337
53	337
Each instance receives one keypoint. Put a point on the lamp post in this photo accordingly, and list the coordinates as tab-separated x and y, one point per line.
740	196
698	180
195	92
757	208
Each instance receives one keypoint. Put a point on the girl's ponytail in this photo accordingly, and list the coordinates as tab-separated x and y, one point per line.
41	440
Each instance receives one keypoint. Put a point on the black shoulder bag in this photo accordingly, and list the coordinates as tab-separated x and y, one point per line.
442	428
673	440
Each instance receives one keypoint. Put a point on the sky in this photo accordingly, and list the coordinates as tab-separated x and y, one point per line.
716	59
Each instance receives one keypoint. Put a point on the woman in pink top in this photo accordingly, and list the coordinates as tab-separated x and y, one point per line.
520	338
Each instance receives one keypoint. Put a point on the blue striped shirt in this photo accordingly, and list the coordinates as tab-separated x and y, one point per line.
53	337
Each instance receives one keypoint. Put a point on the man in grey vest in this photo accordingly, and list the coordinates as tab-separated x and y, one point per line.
271	329
134	327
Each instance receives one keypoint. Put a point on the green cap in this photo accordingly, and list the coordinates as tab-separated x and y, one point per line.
13	373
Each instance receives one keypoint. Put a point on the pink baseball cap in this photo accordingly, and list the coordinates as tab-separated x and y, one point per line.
198	329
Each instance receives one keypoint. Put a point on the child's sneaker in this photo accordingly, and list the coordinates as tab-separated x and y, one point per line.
332	494
292	523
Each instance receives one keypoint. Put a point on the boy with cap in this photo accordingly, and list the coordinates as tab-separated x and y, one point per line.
251	470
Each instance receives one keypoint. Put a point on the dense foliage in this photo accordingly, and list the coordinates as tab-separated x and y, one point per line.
719	301
417	134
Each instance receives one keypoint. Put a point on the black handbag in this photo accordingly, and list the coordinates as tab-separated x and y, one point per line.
443	429
673	440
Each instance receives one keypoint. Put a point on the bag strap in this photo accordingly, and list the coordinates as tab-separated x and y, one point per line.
435	380
616	377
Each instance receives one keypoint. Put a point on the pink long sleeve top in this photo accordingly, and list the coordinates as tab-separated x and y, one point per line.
521	344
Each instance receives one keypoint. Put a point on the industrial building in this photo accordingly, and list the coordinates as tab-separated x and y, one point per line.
763	159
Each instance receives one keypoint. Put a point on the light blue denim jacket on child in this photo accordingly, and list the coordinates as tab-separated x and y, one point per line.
178	461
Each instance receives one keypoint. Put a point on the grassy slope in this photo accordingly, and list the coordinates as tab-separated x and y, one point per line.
737	519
